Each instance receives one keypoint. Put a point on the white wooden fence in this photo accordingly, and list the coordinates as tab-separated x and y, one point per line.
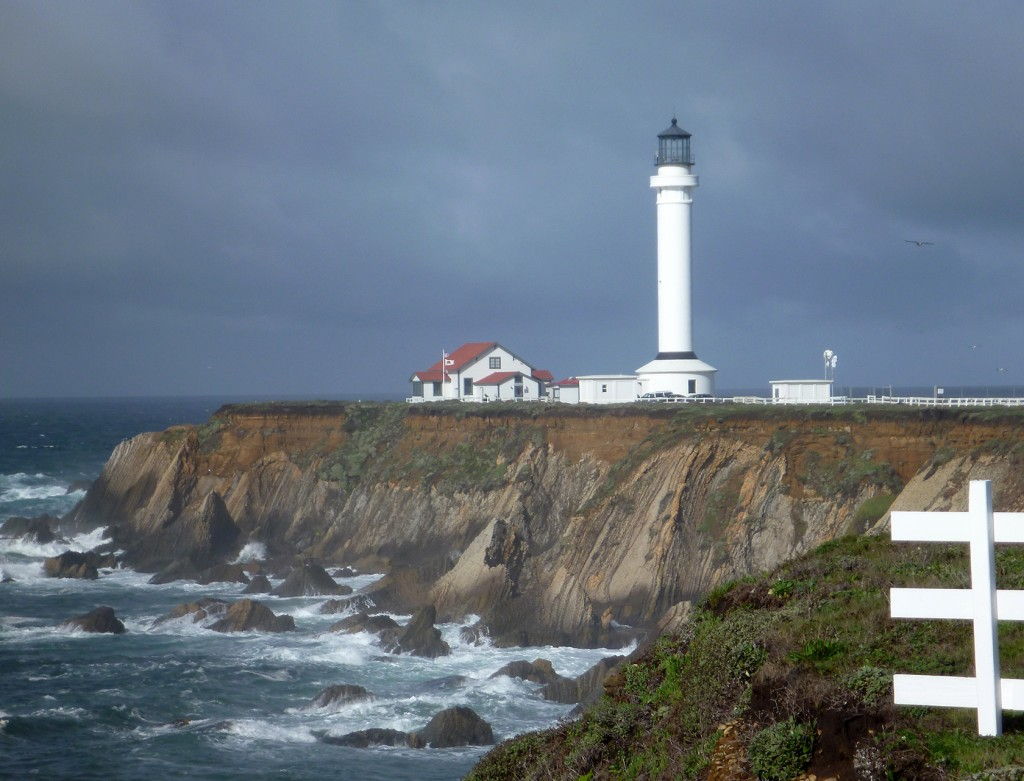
982	603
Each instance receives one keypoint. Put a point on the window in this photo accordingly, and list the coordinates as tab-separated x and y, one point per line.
604	389
494	362
691	386
467	386
436	388
417	388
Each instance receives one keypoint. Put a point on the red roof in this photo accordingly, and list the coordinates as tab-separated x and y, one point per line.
430	375
469	352
568	382
497	378
465	354
543	375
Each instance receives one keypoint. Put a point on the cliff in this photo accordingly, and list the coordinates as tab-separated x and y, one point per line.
788	675
555	524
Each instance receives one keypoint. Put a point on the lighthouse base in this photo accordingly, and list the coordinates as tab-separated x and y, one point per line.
685	376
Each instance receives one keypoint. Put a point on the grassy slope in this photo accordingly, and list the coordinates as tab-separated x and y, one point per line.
809	644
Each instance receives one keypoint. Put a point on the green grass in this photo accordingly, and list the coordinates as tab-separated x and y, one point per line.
372	429
482	464
872	510
812	638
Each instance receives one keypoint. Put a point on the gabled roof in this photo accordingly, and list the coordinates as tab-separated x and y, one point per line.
498	377
568	382
469	352
430	375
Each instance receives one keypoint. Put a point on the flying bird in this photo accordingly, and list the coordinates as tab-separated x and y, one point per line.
920	243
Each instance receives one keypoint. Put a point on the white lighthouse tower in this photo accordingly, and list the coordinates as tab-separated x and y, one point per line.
676	367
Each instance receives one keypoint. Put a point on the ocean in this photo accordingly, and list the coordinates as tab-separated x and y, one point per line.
178	701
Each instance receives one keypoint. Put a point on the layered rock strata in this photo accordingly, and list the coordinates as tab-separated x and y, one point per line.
554	525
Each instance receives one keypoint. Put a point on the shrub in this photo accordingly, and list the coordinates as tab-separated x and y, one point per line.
781	751
872	509
872	684
817	650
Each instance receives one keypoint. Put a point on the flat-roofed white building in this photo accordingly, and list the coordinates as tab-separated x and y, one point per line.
801	391
608	388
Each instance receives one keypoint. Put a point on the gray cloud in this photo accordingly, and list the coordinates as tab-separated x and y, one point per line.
316	198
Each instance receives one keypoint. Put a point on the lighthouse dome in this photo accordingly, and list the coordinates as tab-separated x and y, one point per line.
674	146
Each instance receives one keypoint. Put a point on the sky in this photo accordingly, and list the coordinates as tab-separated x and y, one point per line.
302	198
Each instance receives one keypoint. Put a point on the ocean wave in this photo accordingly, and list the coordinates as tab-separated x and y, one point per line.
22	546
251	551
21	493
259	729
20	486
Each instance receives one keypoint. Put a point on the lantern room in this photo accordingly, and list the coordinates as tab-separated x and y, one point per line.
674	146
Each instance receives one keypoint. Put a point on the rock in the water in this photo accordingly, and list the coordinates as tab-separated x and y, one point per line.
344	572
458	726
359	602
445	683
191	539
223	573
258	585
377	736
474	634
340	694
309	580
537	671
102	619
248	615
4	577
361	622
419	637
179	570
200	610
38	529
586	687
71	564
79	485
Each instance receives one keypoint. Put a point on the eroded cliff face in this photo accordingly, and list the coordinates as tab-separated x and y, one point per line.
554	525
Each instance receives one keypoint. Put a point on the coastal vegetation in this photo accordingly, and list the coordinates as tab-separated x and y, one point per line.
788	672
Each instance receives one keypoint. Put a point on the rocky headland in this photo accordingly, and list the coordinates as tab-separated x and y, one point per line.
555	525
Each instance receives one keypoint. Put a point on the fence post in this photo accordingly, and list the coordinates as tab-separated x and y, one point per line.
983	591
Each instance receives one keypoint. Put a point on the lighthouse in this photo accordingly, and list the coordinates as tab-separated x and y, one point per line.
676	367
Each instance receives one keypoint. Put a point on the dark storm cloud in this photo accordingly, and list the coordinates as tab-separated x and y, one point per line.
316	198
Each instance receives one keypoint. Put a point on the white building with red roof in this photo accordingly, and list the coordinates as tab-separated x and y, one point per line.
480	371
566	391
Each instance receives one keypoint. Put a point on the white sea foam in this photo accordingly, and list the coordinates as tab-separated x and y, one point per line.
61	712
258	729
251	551
21	486
23	546
20	493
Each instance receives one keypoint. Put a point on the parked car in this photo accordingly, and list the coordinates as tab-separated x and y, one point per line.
701	398
661	396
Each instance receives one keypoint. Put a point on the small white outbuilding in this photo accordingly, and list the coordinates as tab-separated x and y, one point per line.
608	388
801	391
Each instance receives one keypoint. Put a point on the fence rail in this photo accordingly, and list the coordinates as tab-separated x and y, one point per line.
909	401
983	604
